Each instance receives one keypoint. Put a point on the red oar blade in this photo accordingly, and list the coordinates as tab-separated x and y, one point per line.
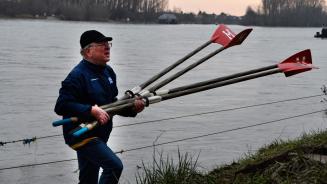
227	38
223	35
298	63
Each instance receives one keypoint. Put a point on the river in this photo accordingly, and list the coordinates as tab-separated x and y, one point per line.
36	55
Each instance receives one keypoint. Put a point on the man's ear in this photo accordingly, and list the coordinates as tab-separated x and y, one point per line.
88	52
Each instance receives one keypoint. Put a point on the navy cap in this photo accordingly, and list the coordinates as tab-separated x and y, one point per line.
92	36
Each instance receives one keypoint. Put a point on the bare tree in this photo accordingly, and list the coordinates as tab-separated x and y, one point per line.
290	13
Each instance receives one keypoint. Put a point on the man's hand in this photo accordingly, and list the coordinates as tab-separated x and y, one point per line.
139	105
100	115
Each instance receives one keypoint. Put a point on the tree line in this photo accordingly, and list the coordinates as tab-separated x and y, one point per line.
269	13
139	11
287	13
96	10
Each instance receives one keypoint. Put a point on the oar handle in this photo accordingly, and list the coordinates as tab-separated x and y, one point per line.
75	119
86	128
83	128
112	110
80	132
65	121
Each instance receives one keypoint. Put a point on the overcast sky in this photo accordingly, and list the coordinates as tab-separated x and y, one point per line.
233	7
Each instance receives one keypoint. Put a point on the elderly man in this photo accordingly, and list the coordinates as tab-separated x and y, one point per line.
90	84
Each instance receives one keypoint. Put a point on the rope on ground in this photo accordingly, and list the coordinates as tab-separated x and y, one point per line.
29	140
174	141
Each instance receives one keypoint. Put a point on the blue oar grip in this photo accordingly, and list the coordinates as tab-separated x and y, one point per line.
65	121
62	122
80	132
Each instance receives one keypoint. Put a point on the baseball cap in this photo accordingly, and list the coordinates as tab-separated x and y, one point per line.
91	36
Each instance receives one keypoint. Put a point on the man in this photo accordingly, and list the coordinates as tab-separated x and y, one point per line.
90	84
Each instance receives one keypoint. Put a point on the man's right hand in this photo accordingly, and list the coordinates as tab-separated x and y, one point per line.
100	115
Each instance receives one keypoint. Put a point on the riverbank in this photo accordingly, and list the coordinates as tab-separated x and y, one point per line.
294	161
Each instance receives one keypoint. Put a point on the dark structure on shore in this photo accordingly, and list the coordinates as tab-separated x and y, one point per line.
167	18
323	33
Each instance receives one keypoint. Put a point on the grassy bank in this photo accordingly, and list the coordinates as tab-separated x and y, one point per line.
294	161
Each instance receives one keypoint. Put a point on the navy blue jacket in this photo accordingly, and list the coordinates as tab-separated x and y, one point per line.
86	85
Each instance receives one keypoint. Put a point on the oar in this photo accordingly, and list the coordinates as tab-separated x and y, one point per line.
220	79
76	119
223	36
161	92
295	64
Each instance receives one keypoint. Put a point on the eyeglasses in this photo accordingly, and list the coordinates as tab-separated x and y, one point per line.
102	44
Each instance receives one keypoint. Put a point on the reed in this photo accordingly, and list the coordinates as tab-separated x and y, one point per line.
164	170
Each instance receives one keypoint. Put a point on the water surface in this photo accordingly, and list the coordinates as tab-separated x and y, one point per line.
35	56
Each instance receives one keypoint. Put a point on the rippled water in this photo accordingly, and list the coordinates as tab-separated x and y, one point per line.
35	56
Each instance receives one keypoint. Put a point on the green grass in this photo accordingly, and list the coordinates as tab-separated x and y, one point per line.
281	162
164	170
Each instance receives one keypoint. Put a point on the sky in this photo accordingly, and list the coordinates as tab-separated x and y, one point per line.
232	7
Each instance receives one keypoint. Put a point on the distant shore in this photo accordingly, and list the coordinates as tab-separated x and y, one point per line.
50	18
294	13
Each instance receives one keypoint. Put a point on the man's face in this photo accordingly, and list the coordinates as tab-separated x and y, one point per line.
100	52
